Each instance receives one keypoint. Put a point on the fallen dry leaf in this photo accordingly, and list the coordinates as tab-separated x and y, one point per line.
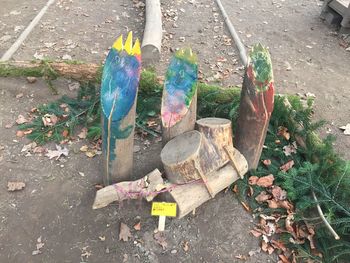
185	246
264	245
65	133
124	232
20	133
159	237
255	233
253	180
266	181
235	189
277	244
262	197
267	162
31	79
250	191
15	186
288	165
278	193
57	153
8	126
19	95
84	148
241	257
49	119
283	131
137	226
289	149
289	224
346	129
21	119
83	133
283	258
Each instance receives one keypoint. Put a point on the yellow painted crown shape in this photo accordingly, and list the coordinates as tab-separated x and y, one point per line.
127	46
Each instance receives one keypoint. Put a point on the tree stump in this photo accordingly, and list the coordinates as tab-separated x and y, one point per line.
119	88
190	196
179	101
189	157
256	106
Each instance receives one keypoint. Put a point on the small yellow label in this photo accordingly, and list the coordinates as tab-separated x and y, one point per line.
163	209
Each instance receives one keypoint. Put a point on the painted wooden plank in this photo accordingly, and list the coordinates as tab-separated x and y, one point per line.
120	79
179	87
256	106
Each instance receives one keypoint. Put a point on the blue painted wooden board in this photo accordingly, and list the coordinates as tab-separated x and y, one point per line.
120	80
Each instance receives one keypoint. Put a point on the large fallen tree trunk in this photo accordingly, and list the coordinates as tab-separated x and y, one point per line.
42	68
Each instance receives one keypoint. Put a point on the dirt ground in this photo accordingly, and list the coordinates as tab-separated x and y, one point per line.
56	202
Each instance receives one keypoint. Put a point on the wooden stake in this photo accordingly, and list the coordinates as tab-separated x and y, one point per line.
179	101
256	106
119	88
161	223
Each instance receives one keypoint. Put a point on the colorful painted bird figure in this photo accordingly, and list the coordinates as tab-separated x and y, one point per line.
179	86
120	80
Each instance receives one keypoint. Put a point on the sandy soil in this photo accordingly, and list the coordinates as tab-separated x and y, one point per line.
56	203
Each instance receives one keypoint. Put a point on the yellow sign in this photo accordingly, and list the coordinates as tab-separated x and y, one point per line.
163	209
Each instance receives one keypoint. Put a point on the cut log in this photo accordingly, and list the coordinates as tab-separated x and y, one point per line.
190	196
119	88
256	106
146	187
188	157
218	132
179	101
152	35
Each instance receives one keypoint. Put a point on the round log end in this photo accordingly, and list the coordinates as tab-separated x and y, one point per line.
214	122
181	149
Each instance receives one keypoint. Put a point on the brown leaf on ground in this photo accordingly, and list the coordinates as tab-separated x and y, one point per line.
65	133
83	133
241	257
8	126
29	131
264	245
253	180
235	189
266	181
250	191
277	244
124	232
49	119
270	250
15	186
289	149
280	204
185	246
159	237
267	162
278	193
21	119
288	165
57	153
289	224
262	197
255	232
31	79
283	258
20	134
283	131
245	206
137	226
84	148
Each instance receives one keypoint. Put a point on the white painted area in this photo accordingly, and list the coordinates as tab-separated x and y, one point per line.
8	54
